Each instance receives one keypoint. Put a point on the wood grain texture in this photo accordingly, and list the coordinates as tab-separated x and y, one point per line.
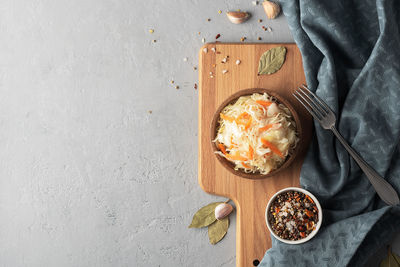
250	196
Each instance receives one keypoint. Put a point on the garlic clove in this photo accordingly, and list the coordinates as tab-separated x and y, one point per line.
237	17
223	210
272	9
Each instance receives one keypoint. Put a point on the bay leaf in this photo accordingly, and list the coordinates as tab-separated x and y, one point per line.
392	260
218	230
204	216
272	60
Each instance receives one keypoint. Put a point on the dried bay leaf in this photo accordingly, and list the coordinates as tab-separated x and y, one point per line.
392	260
272	60
218	230
204	216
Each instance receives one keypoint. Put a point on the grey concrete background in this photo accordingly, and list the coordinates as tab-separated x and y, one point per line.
89	177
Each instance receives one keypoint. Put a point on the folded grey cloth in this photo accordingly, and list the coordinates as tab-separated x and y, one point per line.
351	58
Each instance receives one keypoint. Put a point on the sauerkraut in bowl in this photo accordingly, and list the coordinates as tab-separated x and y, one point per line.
256	133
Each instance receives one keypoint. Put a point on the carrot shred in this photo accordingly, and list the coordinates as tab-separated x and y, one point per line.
244	115
248	123
233	143
246	166
250	154
266	127
222	148
272	147
267	154
236	157
225	117
264	103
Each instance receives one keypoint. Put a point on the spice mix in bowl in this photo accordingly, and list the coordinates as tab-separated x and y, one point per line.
293	215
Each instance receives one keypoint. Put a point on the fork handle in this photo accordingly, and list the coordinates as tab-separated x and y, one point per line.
385	191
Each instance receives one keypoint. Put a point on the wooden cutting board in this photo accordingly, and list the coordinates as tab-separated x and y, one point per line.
250	196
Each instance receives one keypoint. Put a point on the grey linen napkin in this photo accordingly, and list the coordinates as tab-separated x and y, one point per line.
351	57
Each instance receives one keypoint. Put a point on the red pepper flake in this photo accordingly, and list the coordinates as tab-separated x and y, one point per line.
301	228
309	213
217	36
218	52
309	199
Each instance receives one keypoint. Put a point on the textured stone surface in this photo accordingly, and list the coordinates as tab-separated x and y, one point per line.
88	176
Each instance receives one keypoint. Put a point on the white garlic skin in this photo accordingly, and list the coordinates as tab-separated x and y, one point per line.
223	210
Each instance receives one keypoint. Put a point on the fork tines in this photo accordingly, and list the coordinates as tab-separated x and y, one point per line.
315	105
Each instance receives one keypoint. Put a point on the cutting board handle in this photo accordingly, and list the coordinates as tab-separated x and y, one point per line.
252	235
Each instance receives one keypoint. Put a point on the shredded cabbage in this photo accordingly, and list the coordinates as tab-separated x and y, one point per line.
256	133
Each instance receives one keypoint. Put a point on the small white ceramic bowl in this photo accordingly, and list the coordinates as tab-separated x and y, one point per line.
313	233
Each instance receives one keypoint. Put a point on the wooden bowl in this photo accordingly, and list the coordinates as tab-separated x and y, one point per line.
230	166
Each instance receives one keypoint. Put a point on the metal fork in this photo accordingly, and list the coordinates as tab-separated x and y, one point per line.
326	117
